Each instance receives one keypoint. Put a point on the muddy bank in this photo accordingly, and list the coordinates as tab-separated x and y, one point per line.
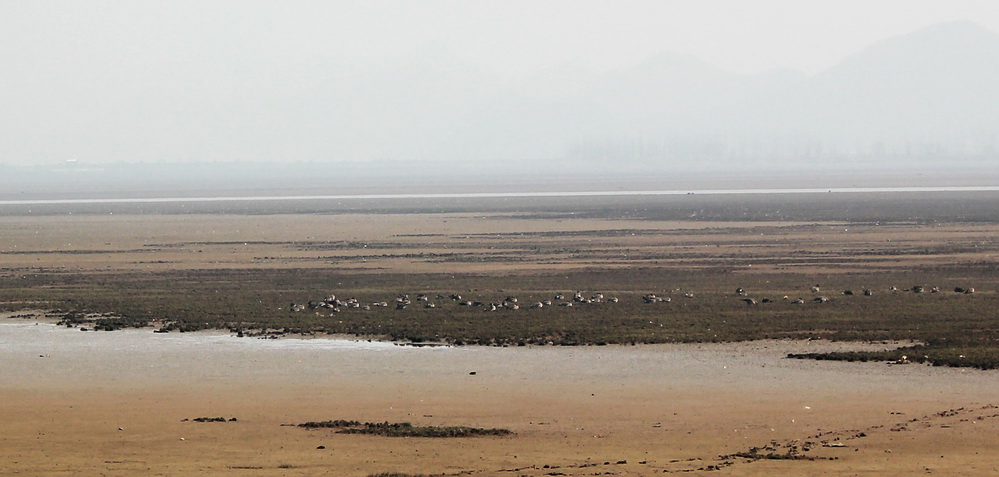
656	408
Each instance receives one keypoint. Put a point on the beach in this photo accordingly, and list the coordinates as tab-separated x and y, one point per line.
710	392
639	409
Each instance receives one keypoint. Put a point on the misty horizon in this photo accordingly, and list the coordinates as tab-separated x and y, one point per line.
147	85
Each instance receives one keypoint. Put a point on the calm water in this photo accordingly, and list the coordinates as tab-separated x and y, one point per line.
45	353
44	338
617	193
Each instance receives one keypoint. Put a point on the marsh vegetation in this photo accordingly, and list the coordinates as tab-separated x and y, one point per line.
720	266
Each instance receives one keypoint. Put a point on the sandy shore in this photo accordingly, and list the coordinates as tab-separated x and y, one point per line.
580	411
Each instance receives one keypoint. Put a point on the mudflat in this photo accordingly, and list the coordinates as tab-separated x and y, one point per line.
124	402
621	409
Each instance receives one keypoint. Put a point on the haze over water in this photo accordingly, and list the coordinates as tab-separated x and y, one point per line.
615	193
482	91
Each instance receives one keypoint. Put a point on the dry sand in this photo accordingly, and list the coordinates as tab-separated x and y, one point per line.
66	393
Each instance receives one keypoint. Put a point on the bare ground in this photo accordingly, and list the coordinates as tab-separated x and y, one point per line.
579	411
624	410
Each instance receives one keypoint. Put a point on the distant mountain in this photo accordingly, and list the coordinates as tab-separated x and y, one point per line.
937	84
930	94
919	99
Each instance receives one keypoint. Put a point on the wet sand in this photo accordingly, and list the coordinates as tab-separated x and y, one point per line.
658	408
609	410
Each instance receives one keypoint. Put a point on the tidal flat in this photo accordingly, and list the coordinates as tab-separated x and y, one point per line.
699	382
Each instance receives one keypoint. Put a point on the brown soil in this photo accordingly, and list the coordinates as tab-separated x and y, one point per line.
478	243
575	410
579	411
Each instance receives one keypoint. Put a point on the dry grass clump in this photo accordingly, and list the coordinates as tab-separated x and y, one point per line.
402	429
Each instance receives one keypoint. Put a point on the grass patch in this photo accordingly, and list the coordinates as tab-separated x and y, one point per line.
957	329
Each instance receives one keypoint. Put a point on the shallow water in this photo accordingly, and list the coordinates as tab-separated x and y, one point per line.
488	195
47	337
43	353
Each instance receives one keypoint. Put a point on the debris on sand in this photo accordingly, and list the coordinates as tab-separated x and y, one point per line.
210	419
402	429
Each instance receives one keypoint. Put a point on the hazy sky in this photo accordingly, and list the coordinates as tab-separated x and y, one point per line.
514	36
86	71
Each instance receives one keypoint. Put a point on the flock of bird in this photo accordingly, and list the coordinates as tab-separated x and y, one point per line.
333	304
864	292
401	302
